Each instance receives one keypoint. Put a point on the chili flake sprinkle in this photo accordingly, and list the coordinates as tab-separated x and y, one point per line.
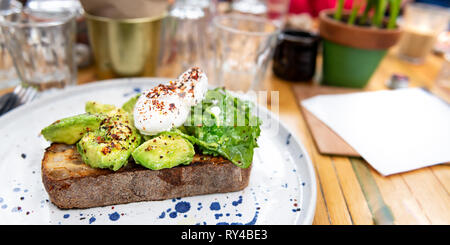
106	150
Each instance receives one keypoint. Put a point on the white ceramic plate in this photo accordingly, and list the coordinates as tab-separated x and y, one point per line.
282	187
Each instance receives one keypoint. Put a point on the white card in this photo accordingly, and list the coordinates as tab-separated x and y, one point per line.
394	131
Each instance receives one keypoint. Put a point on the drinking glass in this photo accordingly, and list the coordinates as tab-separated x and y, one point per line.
187	30
244	47
256	7
421	25
8	76
275	10
42	47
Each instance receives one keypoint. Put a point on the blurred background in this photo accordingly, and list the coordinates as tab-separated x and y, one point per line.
237	42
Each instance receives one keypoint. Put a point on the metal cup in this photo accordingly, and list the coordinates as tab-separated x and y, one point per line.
125	47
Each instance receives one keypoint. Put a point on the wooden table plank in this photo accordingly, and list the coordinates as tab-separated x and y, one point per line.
353	193
321	217
404	206
86	75
334	197
430	194
442	173
381	212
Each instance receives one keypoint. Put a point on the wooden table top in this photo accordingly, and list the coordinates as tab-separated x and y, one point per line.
349	191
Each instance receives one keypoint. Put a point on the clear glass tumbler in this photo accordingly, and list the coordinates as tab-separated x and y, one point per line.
244	46
8	76
187	30
42	45
275	10
421	25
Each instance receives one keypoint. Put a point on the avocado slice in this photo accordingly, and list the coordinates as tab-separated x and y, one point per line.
129	105
111	144
95	107
164	151
69	130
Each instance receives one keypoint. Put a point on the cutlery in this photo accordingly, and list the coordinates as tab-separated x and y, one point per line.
20	96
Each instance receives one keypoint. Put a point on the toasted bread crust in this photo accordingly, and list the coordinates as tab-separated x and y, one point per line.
72	184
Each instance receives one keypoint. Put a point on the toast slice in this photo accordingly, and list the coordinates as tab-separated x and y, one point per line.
70	183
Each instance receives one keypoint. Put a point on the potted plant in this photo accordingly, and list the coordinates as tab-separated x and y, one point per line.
354	43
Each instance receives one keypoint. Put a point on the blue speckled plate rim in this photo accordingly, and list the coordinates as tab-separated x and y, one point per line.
310	206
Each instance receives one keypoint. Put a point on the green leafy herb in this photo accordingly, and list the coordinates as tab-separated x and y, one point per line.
223	125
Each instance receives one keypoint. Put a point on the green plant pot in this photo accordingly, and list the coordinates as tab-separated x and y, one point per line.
351	53
345	66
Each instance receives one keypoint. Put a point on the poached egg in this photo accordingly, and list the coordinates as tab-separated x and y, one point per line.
168	105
